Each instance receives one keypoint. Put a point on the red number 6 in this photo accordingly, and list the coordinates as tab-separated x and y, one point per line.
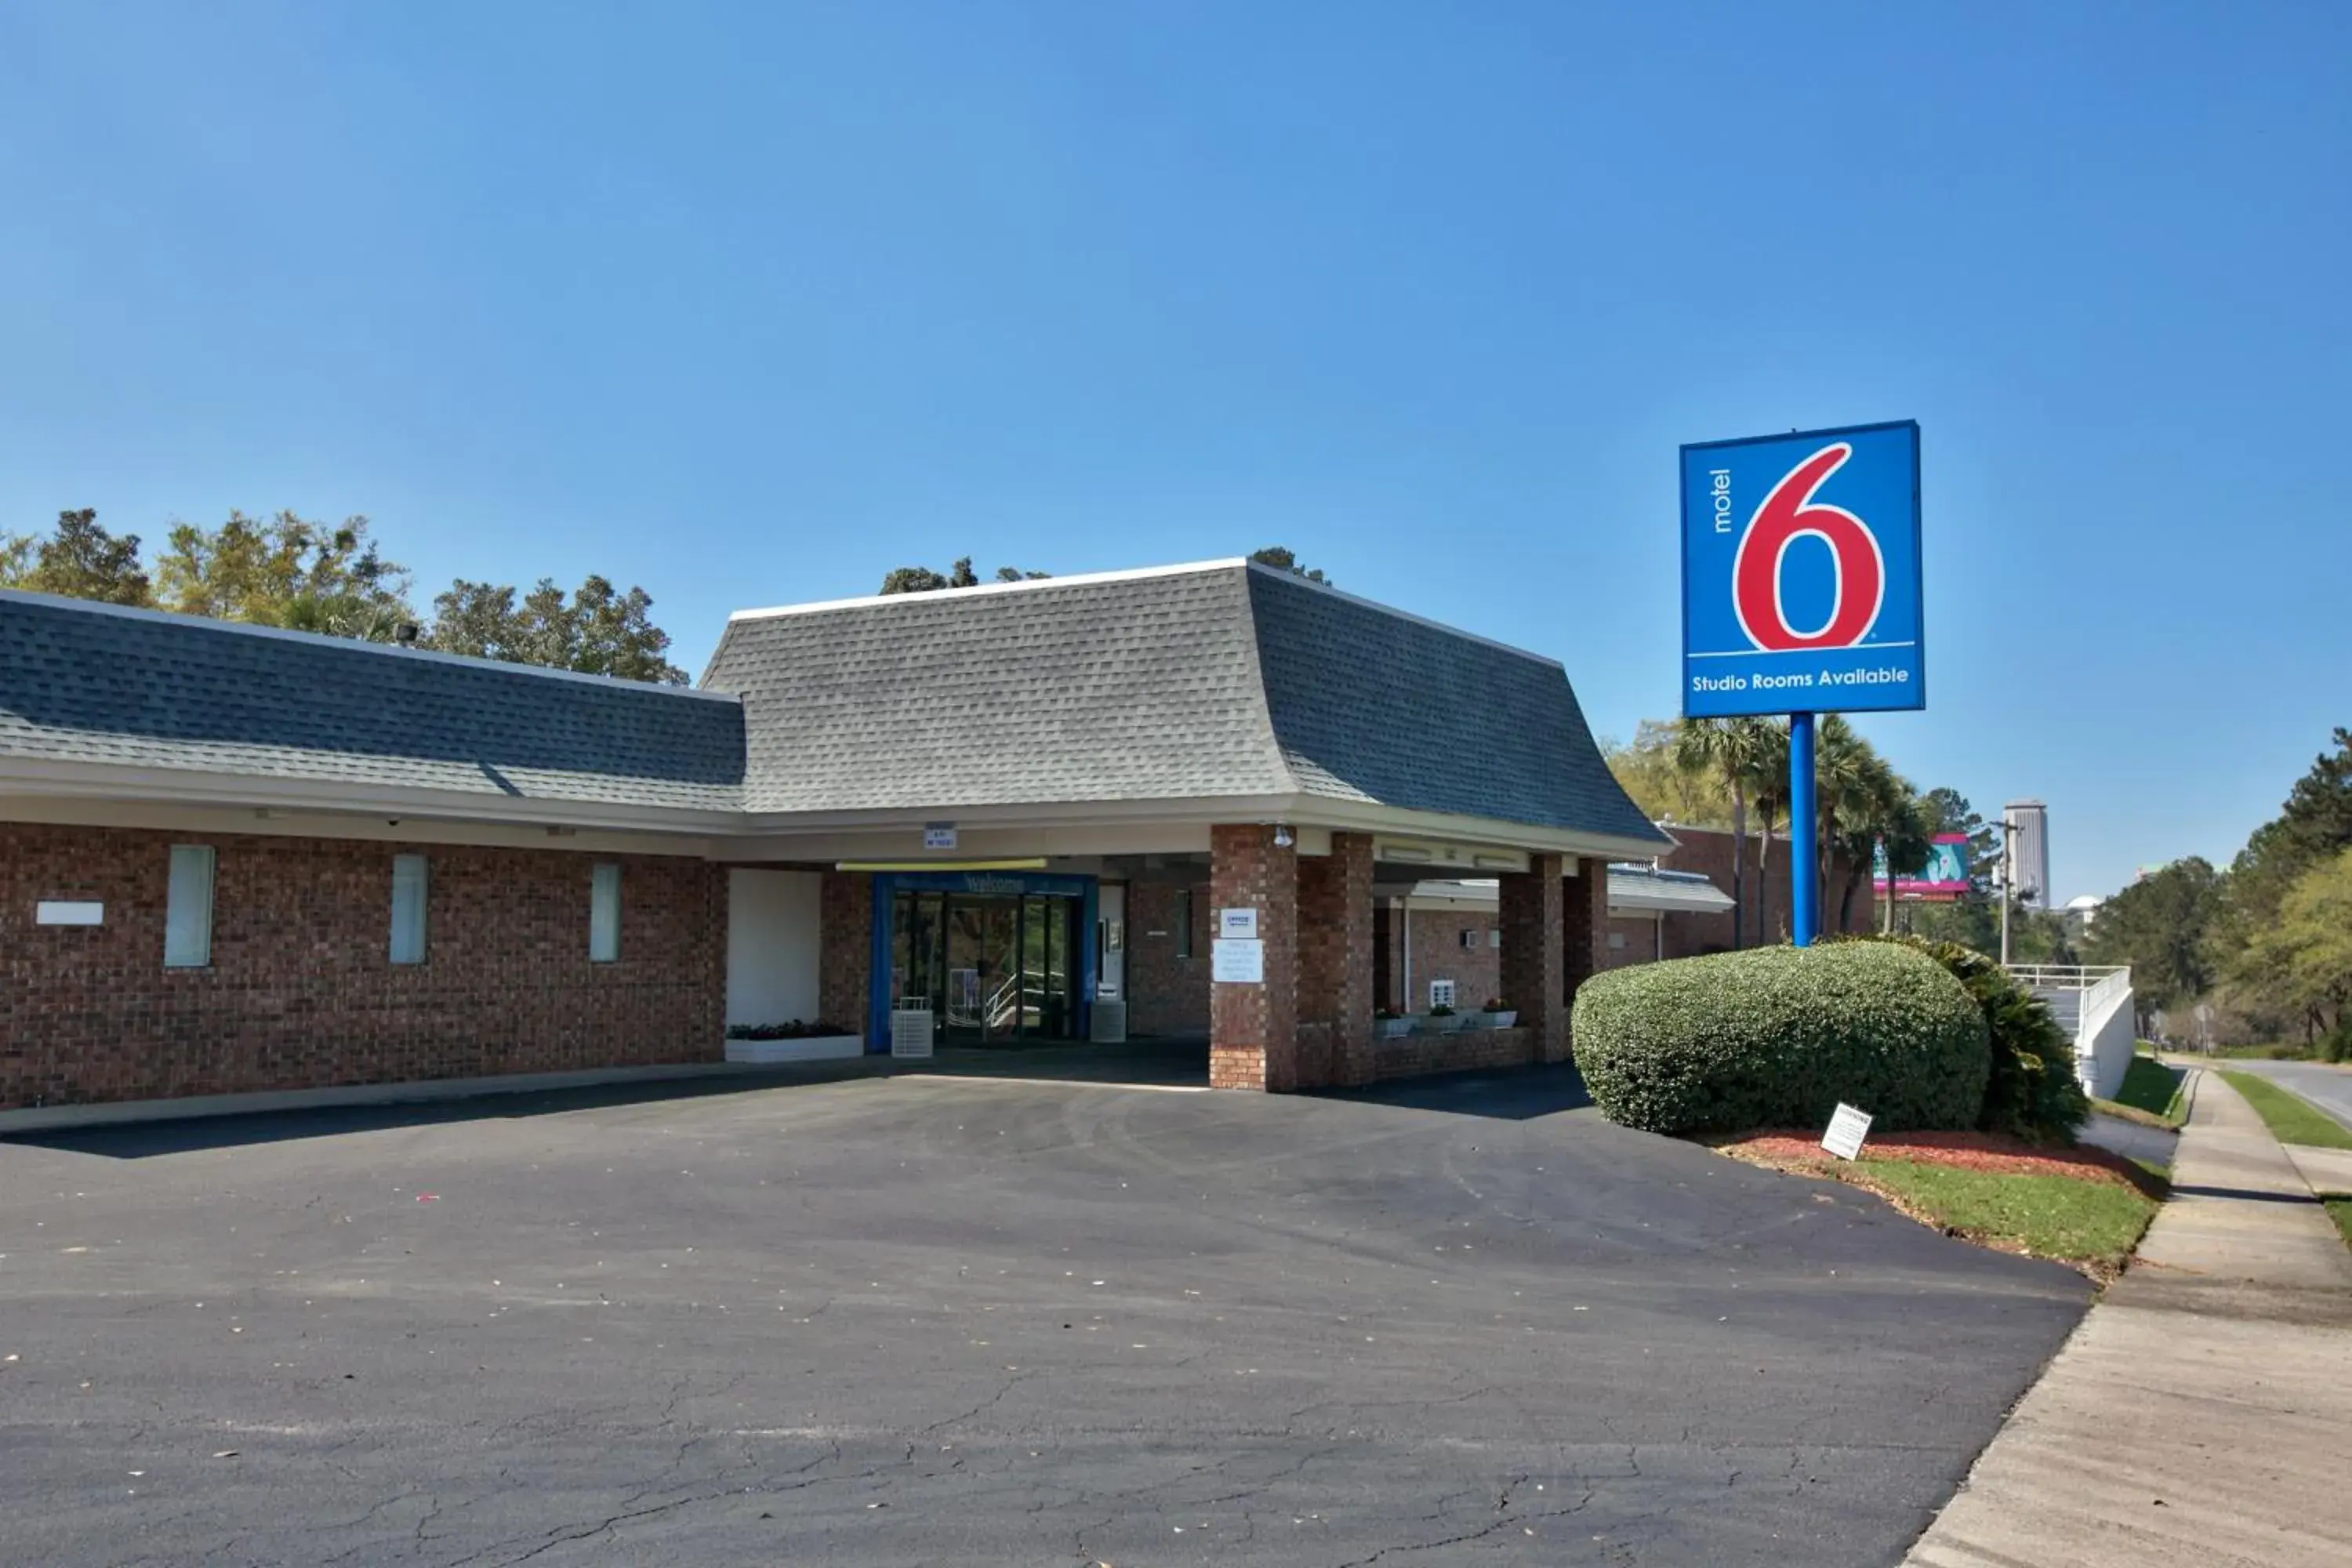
1787	515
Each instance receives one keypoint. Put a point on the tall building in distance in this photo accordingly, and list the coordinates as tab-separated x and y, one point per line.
2026	825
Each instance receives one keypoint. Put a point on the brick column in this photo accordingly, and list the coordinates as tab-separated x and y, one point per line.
1584	927
1534	921
844	963
1335	964
1254	1029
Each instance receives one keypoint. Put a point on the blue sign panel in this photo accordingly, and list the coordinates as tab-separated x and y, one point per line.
1802	575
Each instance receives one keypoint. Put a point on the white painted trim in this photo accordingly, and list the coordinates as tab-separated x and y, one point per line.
781	835
387	650
1301	812
51	1118
189	786
208	822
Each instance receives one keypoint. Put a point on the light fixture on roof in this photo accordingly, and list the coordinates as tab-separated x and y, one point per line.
1282	836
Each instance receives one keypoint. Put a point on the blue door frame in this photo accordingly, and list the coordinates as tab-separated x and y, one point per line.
888	884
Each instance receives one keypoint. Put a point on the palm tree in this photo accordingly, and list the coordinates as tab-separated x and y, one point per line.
1849	781
1727	751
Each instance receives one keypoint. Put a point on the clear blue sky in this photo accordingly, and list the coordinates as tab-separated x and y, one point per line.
749	303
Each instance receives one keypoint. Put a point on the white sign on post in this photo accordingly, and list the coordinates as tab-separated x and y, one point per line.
938	836
1239	924
1238	961
1848	1128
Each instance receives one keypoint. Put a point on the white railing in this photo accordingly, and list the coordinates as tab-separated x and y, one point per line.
2068	976
2092	1002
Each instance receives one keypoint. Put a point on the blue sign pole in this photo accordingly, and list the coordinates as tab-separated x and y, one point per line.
1804	860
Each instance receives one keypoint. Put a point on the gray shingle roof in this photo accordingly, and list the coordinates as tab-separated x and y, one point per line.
1429	719
92	684
1217	680
1136	687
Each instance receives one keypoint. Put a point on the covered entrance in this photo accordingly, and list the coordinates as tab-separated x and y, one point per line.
998	958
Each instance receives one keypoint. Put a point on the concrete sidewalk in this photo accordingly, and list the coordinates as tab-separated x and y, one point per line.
2200	1414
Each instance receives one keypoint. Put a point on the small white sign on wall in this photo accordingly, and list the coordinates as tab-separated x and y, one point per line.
1240	925
1848	1128
68	913
1238	961
938	836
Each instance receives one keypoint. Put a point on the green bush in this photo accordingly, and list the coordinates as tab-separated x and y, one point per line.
1777	1037
2032	1092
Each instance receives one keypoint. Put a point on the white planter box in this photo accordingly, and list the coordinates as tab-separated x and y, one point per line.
1392	1028
808	1048
1505	1019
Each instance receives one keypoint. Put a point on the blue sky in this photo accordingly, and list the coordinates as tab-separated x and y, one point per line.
750	303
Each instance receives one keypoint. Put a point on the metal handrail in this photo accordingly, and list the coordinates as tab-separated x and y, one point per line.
2066	976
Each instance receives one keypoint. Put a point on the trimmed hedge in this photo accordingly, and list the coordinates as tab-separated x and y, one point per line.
2034	1092
1776	1037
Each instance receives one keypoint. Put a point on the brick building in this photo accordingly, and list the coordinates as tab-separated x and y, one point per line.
235	859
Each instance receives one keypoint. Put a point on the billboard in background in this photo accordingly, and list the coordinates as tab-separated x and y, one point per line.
1801	577
1945	877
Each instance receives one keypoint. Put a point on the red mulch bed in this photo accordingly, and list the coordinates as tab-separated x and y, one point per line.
1967	1151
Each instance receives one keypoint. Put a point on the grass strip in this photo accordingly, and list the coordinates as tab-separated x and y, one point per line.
2065	1217
2151	1095
2291	1118
2339	1209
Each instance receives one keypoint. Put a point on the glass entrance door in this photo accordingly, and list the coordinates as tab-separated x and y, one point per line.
995	967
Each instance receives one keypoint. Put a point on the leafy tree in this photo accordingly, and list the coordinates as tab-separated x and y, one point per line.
1281	558
923	580
2161	926
79	560
598	631
286	571
1973	919
2305	955
1650	769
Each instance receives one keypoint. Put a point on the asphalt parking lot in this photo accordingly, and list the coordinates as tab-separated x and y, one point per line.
959	1320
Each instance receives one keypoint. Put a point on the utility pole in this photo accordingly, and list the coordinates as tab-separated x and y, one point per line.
2002	881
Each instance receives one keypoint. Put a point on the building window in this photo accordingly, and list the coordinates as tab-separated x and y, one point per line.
1495	936
604	913
1183	922
1440	994
188	908
1469	938
408	888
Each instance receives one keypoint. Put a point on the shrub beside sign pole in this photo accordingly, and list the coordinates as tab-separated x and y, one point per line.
1801	595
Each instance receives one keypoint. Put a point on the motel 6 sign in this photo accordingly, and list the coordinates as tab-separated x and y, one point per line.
1800	574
